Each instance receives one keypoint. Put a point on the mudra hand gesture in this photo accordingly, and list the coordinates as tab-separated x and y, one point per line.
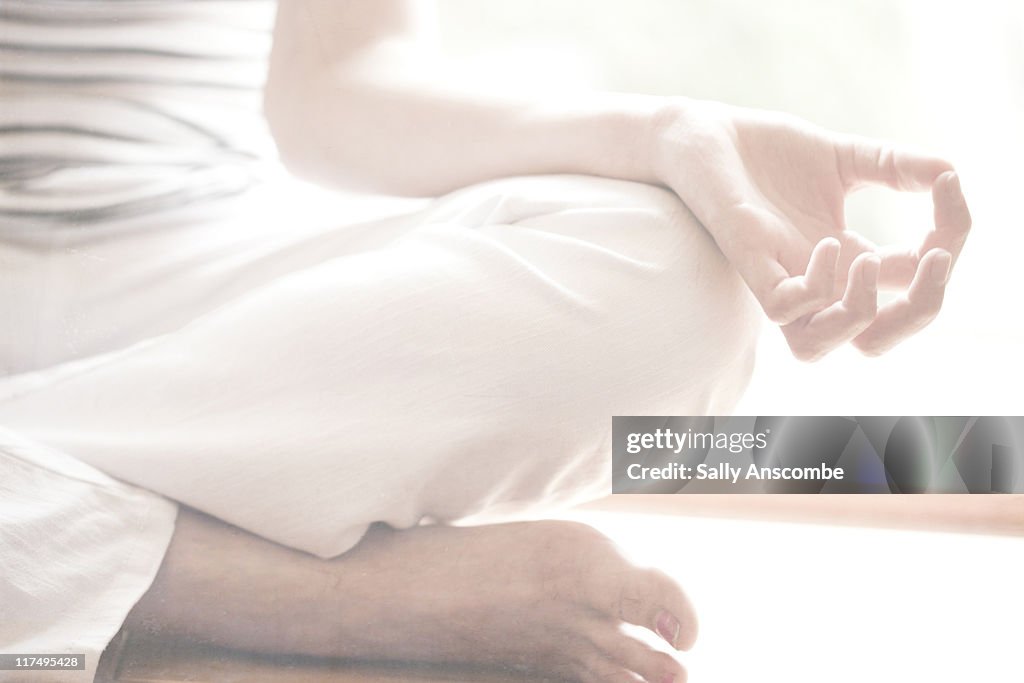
771	190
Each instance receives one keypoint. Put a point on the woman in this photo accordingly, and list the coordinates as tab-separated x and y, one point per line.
315	388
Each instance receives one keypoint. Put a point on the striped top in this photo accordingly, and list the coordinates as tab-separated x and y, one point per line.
112	109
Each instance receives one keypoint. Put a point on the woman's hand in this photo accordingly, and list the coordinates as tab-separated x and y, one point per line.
771	188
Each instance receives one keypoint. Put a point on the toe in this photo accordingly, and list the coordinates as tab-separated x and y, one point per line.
634	655
604	670
652	599
586	565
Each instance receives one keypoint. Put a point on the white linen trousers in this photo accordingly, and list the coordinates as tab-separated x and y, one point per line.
303	374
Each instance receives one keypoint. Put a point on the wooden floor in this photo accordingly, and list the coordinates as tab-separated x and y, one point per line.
152	662
134	661
999	514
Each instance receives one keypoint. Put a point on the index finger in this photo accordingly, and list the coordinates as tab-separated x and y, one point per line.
863	161
952	225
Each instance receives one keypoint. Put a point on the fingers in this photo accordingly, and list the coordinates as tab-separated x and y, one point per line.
786	298
909	314
899	264
864	161
805	305
952	217
925	277
857	318
816	335
952	225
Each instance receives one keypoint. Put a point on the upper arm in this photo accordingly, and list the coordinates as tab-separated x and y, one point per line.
319	42
311	33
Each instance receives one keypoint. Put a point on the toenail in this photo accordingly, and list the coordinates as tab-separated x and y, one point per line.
668	678
668	627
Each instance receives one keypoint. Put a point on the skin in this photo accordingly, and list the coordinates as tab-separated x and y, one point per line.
556	600
357	98
347	78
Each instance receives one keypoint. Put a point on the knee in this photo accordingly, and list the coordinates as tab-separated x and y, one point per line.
702	320
611	295
677	326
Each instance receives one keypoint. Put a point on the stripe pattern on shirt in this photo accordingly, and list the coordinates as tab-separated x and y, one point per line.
112	109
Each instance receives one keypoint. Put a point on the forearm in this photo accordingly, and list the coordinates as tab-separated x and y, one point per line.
392	131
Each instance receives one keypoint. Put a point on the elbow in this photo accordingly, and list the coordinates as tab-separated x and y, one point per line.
302	148
306	145
313	148
282	110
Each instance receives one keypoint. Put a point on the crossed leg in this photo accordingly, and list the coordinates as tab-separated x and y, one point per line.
464	369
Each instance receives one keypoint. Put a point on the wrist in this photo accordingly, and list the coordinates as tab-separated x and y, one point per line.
603	134
631	143
680	129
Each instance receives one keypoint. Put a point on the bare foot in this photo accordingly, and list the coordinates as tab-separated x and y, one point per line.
546	596
552	595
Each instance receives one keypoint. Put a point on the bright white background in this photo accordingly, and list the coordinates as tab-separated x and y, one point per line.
791	602
799	603
945	76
